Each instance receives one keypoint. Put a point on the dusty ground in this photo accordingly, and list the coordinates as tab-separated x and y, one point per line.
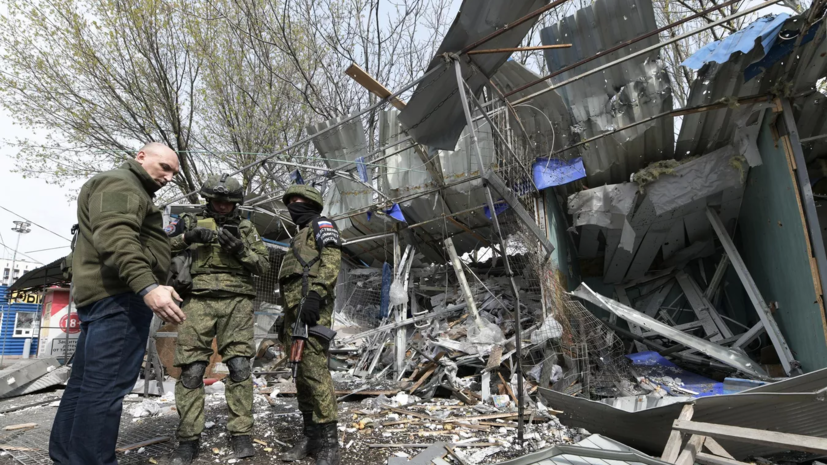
277	421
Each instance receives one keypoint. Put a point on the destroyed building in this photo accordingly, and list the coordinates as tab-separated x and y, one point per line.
530	263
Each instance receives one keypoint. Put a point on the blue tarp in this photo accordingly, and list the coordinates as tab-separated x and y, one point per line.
778	51
653	366
394	212
362	169
766	29
555	172
499	207
296	176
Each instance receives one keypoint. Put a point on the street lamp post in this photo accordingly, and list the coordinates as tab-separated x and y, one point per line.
20	227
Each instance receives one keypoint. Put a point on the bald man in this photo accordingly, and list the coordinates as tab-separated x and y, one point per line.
120	261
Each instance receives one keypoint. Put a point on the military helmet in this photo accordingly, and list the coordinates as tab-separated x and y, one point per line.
223	188
307	192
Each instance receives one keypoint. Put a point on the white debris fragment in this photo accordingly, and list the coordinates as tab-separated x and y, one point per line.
147	408
209	424
215	388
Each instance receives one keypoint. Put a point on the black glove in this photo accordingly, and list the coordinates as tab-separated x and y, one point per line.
310	310
230	243
199	236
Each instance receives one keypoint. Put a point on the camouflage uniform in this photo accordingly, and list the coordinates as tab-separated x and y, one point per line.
313	382
220	306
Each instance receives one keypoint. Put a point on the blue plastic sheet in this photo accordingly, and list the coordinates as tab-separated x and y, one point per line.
385	299
394	212
297	178
653	366
778	51
499	207
555	172
766	29
361	169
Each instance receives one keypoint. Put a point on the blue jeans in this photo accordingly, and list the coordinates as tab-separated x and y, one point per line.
110	349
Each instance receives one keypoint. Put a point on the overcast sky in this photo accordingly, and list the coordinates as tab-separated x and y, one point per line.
42	203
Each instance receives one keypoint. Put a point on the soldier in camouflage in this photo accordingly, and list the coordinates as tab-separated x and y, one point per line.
319	246
226	252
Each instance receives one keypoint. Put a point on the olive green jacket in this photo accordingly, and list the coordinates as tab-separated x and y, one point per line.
121	245
323	274
214	270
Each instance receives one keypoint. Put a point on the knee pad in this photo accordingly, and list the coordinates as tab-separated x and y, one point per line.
192	375
239	369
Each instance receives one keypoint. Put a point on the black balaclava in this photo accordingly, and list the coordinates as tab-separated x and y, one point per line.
303	213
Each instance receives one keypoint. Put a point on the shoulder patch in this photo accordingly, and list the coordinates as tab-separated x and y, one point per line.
326	234
172	228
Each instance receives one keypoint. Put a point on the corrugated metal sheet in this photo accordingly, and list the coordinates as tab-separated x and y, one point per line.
14	345
340	147
707	131
791	406
594	450
623	94
548	108
404	175
434	114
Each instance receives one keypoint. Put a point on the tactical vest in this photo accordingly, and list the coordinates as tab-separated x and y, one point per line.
212	258
291	267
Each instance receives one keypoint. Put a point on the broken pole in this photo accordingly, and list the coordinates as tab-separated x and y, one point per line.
791	366
496	222
463	282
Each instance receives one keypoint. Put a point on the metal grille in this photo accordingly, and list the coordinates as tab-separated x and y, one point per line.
267	284
359	297
589	354
33	443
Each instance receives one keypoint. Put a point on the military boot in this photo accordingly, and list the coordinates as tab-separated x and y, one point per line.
307	442
186	452
242	447
329	453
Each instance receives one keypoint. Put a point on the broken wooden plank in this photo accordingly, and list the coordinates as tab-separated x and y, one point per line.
138	445
709	459
423	378
673	445
372	85
754	436
20	426
494	358
713	446
508	388
693	447
454	454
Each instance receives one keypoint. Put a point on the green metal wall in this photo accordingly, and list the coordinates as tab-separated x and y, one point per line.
774	249
564	255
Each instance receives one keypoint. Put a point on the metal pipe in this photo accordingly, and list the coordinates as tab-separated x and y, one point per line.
518	49
620	46
366	238
326	130
407	197
647	50
517	331
675	112
497	132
